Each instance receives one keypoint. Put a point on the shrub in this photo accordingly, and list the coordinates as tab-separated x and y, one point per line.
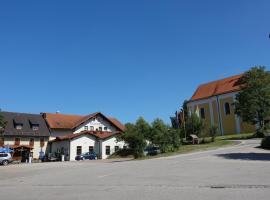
213	132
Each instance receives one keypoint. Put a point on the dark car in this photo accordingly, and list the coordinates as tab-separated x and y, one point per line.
151	151
87	156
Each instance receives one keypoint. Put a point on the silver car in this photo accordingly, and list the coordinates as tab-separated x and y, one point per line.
5	158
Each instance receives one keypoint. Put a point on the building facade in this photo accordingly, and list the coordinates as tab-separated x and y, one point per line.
27	134
72	135
214	103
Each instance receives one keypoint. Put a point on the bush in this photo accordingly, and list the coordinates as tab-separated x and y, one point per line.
213	132
266	142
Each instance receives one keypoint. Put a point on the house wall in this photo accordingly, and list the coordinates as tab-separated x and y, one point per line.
96	123
84	141
112	143
25	141
228	121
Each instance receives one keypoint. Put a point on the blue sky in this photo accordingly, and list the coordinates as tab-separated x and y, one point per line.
124	58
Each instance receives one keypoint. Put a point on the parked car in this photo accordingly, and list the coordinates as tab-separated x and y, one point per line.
5	158
151	151
87	156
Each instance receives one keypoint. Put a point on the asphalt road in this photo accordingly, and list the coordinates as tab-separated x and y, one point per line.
239	172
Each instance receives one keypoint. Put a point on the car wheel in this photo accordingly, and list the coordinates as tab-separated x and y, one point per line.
5	163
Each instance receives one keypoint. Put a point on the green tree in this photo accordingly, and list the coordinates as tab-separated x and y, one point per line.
160	135
134	139
144	128
174	138
194	125
253	101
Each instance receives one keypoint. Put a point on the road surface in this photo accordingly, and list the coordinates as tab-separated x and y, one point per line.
238	172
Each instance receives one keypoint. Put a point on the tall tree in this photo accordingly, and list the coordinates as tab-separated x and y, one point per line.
144	128
134	139
253	101
160	134
194	125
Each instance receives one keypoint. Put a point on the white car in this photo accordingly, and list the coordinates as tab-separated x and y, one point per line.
5	158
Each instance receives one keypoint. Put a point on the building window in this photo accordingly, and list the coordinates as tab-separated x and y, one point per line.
79	150
42	142
92	128
100	128
86	128
17	141
19	126
31	142
2	141
108	150
116	148
202	113
105	128
91	148
35	128
227	108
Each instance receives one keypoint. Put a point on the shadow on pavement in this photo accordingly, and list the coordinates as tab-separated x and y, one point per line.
246	156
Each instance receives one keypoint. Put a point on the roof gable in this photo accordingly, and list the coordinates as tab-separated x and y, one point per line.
63	121
223	86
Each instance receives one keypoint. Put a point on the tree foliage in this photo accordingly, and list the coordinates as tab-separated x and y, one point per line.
194	125
253	101
134	138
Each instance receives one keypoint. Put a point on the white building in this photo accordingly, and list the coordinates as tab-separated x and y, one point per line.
72	135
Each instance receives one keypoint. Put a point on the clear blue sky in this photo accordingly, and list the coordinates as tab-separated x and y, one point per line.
124	58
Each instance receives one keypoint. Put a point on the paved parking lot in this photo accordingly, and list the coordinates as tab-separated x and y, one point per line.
238	172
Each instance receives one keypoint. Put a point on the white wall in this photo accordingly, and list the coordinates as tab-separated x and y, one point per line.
112	143
96	123
84	141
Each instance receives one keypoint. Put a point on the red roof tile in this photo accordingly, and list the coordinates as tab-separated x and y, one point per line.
98	134
226	85
63	121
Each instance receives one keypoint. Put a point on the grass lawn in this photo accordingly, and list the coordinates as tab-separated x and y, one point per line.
243	136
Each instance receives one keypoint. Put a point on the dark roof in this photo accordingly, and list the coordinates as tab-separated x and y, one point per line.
27	120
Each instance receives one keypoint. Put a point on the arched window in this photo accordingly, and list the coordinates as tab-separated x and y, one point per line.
202	113
227	108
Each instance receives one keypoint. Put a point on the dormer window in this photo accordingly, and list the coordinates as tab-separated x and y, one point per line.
86	128
18	126
18	123
105	128
35	127
34	124
100	128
